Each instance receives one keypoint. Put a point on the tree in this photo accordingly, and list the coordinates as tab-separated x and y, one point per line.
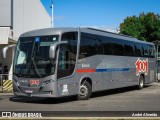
144	27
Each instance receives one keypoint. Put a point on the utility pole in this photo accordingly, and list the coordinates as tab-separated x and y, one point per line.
52	21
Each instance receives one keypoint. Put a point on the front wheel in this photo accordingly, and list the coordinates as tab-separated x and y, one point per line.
85	91
141	82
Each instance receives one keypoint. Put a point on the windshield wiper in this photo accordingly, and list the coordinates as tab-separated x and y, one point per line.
32	58
35	67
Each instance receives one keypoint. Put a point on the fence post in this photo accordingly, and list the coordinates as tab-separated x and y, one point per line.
7	84
0	79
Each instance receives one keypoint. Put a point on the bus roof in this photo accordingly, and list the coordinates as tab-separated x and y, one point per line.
113	35
58	31
47	31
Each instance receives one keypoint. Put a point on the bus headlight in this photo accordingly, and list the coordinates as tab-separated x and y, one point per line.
46	82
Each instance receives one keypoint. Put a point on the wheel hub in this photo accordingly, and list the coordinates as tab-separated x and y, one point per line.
141	83
83	90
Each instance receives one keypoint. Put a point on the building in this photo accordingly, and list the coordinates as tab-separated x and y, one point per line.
17	17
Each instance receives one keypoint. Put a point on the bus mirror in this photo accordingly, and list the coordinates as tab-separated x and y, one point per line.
5	49
52	51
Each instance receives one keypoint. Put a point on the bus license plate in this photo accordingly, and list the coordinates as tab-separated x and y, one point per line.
29	91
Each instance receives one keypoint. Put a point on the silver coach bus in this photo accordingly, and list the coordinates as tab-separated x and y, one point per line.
58	62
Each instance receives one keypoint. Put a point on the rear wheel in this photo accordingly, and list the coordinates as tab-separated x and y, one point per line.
85	91
141	82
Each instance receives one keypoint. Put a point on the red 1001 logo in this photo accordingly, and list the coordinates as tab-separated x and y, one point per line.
141	66
34	82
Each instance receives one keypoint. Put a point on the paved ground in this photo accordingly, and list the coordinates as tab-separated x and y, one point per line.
124	99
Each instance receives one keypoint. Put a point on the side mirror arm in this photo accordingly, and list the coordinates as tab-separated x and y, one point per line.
52	52
4	50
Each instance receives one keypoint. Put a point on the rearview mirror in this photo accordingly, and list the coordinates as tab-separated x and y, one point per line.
5	49
52	51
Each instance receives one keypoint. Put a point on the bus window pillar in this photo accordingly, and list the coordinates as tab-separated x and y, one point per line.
157	44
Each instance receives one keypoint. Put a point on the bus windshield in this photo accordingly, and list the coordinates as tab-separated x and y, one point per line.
32	57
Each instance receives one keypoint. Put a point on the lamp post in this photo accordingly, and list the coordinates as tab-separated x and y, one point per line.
52	21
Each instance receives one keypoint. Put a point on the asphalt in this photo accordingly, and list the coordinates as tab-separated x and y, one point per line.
123	102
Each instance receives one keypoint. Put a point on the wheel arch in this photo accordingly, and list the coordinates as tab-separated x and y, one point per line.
87	86
88	78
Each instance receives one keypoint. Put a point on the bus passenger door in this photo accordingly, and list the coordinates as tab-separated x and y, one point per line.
67	83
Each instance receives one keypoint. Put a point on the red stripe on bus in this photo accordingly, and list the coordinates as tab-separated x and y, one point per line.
85	70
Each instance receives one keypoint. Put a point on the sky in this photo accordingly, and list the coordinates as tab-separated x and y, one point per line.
98	13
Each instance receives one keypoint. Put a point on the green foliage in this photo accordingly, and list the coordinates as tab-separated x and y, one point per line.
144	27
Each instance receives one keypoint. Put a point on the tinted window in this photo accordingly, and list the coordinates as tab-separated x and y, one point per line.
129	48
151	51
117	47
145	50
138	50
96	44
89	46
99	46
107	45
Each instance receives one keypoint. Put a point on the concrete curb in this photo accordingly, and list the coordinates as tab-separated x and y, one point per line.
3	94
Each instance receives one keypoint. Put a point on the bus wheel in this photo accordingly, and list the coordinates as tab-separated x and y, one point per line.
85	91
141	82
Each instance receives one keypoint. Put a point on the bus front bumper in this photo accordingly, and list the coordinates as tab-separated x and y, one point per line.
49	90
34	95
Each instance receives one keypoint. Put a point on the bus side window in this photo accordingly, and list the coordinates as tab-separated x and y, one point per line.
129	48
64	60
138	50
105	45
146	51
99	46
151	51
89	46
117	47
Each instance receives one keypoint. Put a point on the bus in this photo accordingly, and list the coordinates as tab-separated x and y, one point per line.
57	62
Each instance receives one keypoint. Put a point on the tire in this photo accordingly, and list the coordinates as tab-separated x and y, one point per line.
141	82
85	91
